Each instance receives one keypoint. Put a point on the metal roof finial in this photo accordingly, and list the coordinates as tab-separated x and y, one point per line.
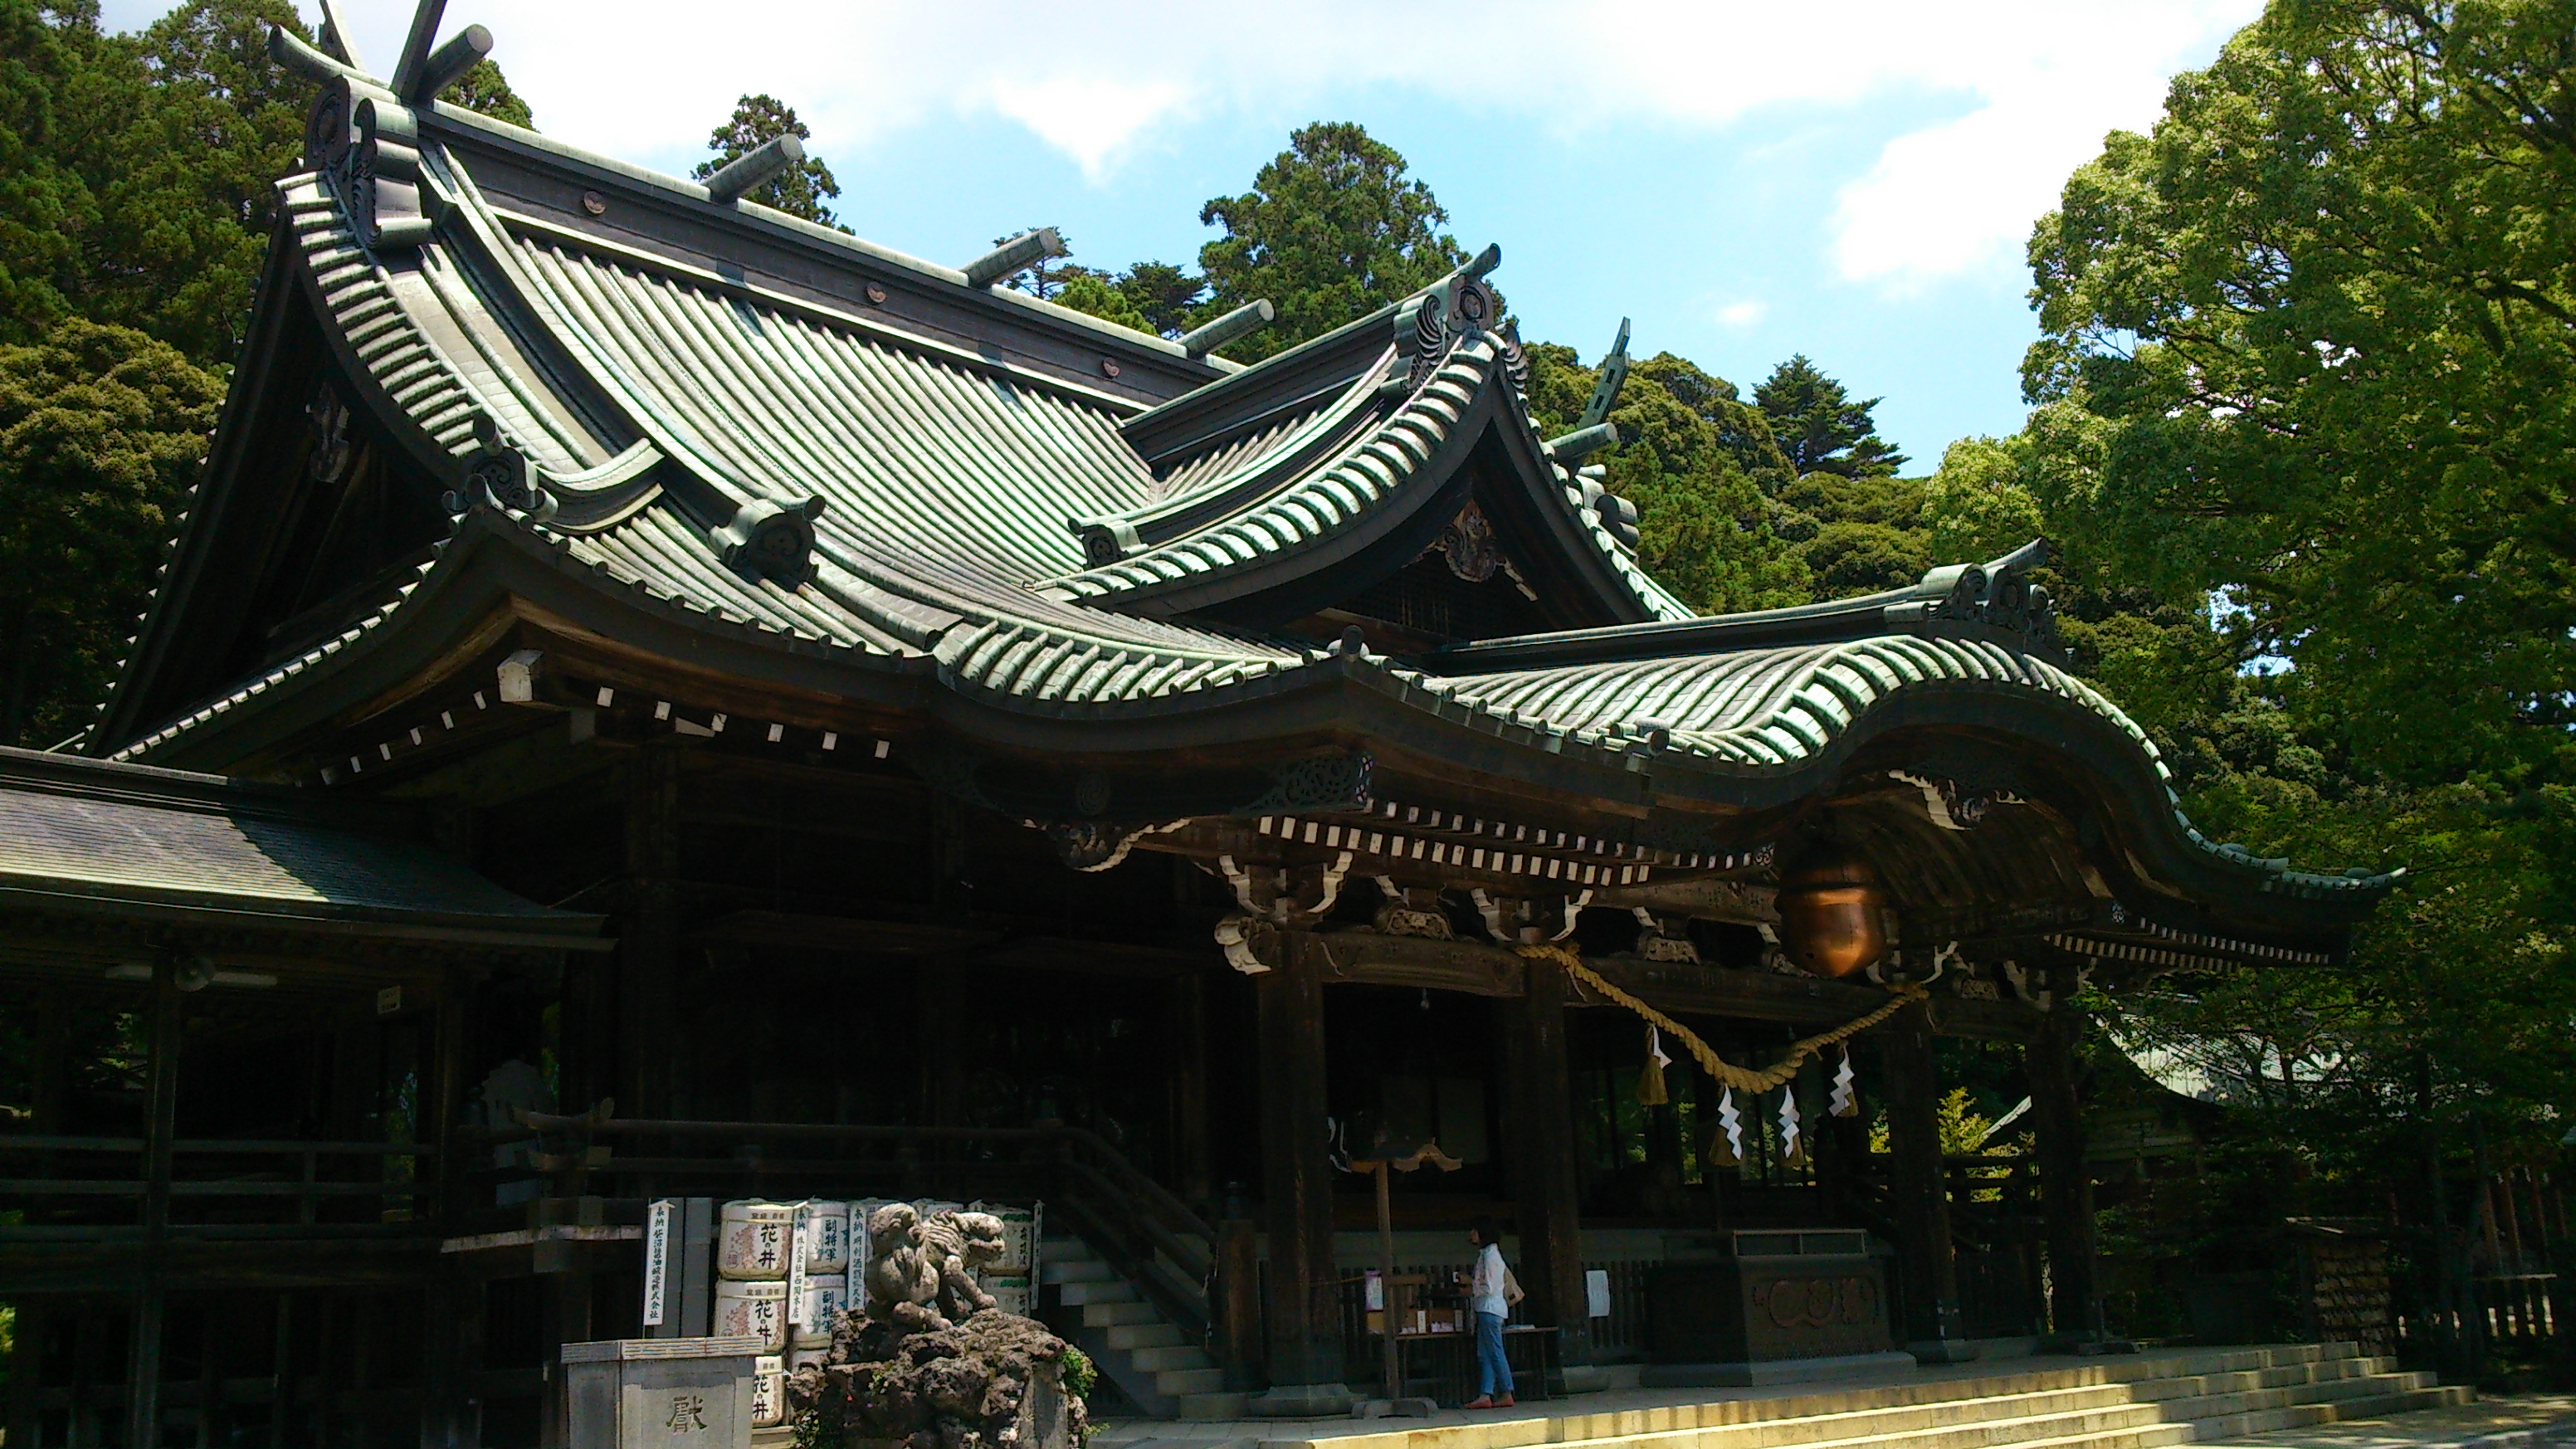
740	175
1605	393
1015	255
336	42
423	71
1251	317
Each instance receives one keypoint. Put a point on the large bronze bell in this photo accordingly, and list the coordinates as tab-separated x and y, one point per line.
1833	917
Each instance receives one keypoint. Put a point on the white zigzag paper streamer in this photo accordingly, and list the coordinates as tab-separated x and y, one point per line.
1845	1102
1731	1122
1789	1124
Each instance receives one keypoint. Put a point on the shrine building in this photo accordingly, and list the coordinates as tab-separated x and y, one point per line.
655	699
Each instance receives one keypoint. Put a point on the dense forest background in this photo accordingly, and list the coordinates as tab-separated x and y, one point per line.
2300	427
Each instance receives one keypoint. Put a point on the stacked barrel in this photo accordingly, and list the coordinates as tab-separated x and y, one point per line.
784	1273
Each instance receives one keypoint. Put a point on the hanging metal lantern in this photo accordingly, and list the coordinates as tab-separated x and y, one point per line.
1833	917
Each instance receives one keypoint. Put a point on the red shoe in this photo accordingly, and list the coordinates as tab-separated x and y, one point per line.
1481	1401
1506	1403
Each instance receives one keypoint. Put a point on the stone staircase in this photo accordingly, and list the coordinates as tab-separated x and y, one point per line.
2144	1402
1152	1360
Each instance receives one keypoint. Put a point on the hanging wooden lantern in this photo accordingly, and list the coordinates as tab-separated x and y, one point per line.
1833	917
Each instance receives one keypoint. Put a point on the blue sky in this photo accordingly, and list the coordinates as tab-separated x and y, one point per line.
1852	180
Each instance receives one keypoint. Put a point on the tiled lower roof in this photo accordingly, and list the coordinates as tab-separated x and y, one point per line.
88	830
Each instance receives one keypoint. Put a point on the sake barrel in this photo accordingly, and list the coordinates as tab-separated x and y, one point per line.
752	1240
1019	1236
1011	1291
860	1253
827	1237
798	1358
757	1307
768	1391
826	1294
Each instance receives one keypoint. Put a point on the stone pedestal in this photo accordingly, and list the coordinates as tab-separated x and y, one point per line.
672	1393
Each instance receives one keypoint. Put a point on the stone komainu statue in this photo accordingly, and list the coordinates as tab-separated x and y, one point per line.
902	1277
959	1243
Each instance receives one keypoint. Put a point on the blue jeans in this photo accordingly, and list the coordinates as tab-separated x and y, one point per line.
1493	1374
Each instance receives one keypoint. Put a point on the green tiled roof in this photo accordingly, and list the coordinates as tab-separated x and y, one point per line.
78	831
987	523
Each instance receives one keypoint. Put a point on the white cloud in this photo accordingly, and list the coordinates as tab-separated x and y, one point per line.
2040	80
1090	119
1743	314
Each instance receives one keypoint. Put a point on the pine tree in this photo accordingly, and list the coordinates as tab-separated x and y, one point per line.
1333	228
1820	427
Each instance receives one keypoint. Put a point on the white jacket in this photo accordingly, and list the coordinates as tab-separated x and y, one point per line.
1485	1288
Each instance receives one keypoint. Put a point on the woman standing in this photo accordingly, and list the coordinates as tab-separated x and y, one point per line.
1491	1293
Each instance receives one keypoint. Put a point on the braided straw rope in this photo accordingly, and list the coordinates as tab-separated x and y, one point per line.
1727	1073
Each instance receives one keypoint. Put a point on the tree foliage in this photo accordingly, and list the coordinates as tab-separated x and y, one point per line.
2313	344
1334	227
2303	408
1820	428
802	190
101	433
1693	457
486	91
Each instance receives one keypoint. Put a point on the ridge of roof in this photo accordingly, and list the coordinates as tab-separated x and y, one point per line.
752	214
1311	506
1993	598
1341	355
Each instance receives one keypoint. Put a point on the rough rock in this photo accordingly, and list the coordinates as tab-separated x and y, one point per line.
994	1381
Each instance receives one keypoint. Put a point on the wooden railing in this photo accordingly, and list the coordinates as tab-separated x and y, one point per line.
51	1178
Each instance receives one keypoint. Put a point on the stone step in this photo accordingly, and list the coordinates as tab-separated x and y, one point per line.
1178	1382
1145	1335
1110	1315
2166	1389
1218	1405
1097	1290
1169	1357
1993	1419
2308	1416
1074	1270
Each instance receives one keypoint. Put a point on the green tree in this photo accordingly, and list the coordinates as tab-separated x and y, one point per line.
1332	228
1690	454
47	56
2313	344
102	430
2303	424
1166	296
485	90
1819	427
188	184
802	189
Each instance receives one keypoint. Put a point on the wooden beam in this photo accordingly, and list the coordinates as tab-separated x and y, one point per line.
1681	987
1368	958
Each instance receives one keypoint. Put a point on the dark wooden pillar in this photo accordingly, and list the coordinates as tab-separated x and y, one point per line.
1539	1091
1920	1201
1304	1317
1191	1173
2065	1177
143	1372
648	939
